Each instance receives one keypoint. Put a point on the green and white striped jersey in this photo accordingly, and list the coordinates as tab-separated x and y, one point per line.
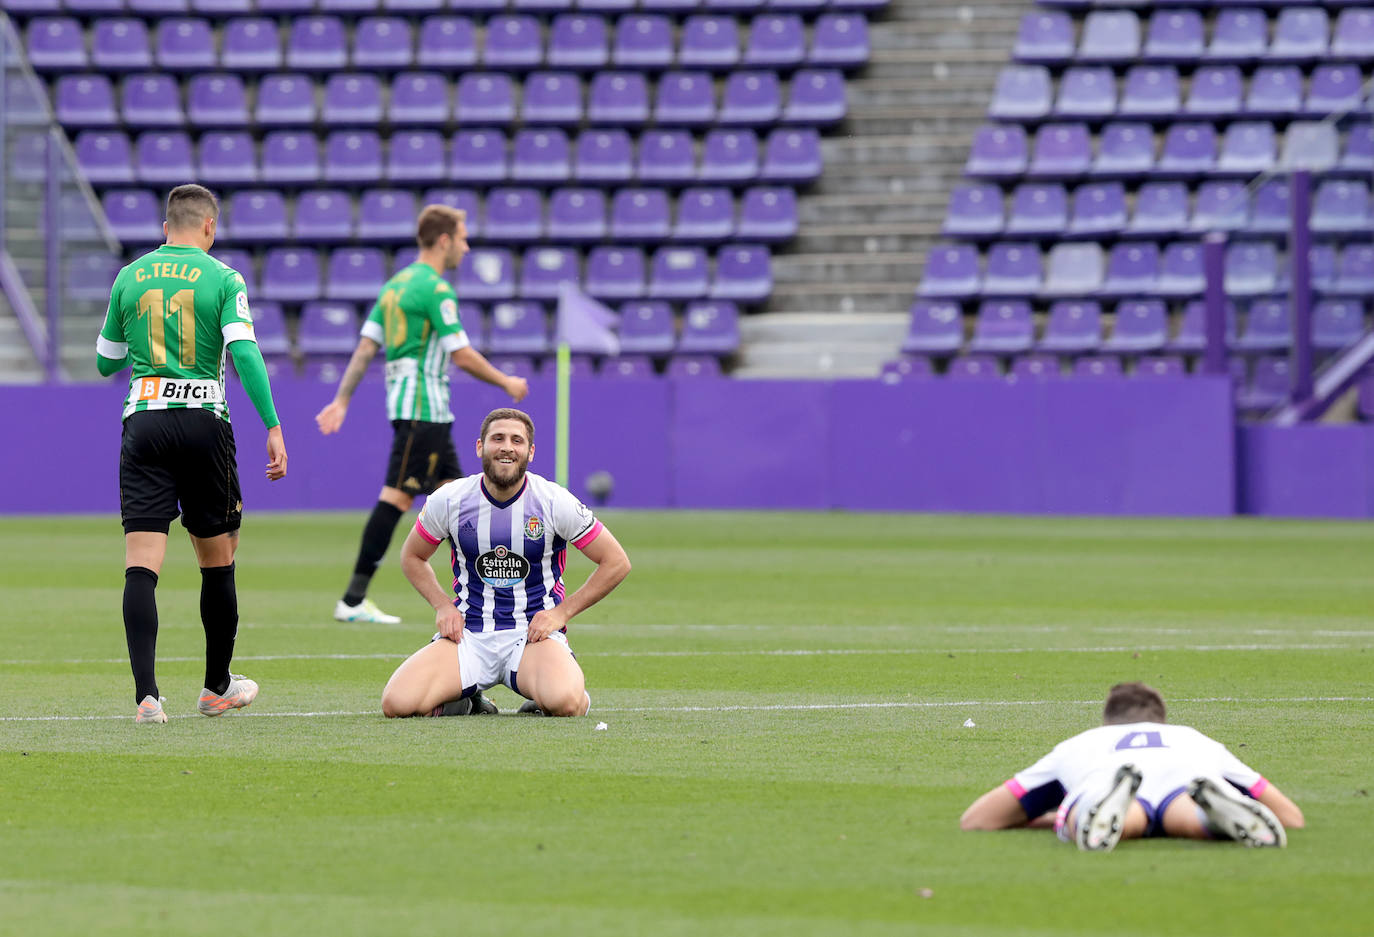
416	321
173	311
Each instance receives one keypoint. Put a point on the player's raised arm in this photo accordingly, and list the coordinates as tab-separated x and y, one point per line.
472	361
331	418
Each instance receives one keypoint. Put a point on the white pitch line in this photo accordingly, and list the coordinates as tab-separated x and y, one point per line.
768	707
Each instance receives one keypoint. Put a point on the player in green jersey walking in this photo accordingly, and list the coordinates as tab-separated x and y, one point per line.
173	312
416	320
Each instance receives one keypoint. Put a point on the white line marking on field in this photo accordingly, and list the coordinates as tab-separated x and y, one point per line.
764	707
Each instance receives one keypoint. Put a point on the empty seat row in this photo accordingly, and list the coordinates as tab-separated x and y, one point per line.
1075	327
683	99
1155	92
1134	269
486	157
705	214
515	42
1188	149
1295	33
223	8
1105	210
328	369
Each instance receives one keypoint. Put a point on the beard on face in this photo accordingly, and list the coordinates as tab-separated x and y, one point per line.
513	473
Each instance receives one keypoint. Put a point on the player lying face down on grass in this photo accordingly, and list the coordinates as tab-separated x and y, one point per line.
506	619
1135	776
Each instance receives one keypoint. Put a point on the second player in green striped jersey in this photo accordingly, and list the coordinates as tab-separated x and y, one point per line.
415	319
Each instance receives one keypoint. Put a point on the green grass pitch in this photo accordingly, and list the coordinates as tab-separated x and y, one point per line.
785	754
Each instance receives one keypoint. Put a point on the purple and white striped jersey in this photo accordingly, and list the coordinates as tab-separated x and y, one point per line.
508	556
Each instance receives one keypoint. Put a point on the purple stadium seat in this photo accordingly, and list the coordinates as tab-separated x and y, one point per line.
120	44
1140	325
255	215
1341	207
974	211
1086	93
1150	92
1097	366
151	101
89	276
28	160
352	99
1268	327
1034	367
615	273
1358	153
1216	90
692	366
951	272
518	328
541	156
640	215
1270	212
1353	35
381	42
552	98
227	158
1324	266
576	215
619	98
104	158
419	98
217	100
1003	328
479	156
1300	34
514	214
1038	210
291	274
1275	91
323	215
768	213
1109	36
775	41
1045	37
405	256
1221	206
544	269
998	151
269	329
386	215
750	99
744	273
316	43
485	99
973	368
643	41
487	274
936	328
1023	92
646	327
839	40
513	42
1099	210
185	44
706	213
285	100
678	272
1062	151
1251	268
56	43
710	42
578	41
1180	270
250	44
792	156
1248	148
709	328
729	156
1268	386
1132	270
164	156
1337	324
685	99
242	261
816	96
1072	327
1355	272
351	156
1159	366
1334	89
222	8
604	157
1238	36
134	214
346	6
517	365
288	156
85	101
1161	208
446	42
328	328
1073	269
1189	149
1174	36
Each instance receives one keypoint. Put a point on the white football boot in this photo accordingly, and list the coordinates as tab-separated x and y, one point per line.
366	610
1100	824
1232	815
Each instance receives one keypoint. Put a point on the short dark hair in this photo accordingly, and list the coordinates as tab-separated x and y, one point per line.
508	413
1132	702
437	220
189	205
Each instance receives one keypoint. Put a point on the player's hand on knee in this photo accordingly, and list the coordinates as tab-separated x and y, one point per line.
545	623
448	621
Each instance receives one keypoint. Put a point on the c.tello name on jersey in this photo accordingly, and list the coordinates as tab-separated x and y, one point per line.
168	270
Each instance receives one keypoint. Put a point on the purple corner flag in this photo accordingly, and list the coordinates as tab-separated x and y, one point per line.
585	325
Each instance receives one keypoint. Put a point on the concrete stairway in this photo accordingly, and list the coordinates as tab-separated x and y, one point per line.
842	289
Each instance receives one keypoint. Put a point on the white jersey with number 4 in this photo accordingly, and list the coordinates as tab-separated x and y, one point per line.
1169	757
508	556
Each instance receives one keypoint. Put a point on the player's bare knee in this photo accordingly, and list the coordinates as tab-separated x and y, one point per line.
397	704
568	701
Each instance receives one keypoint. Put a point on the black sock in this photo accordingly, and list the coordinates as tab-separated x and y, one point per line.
140	628
381	524
219	615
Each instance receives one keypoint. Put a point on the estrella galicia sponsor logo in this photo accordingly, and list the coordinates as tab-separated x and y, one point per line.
534	528
501	568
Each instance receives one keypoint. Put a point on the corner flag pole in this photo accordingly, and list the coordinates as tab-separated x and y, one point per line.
563	392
